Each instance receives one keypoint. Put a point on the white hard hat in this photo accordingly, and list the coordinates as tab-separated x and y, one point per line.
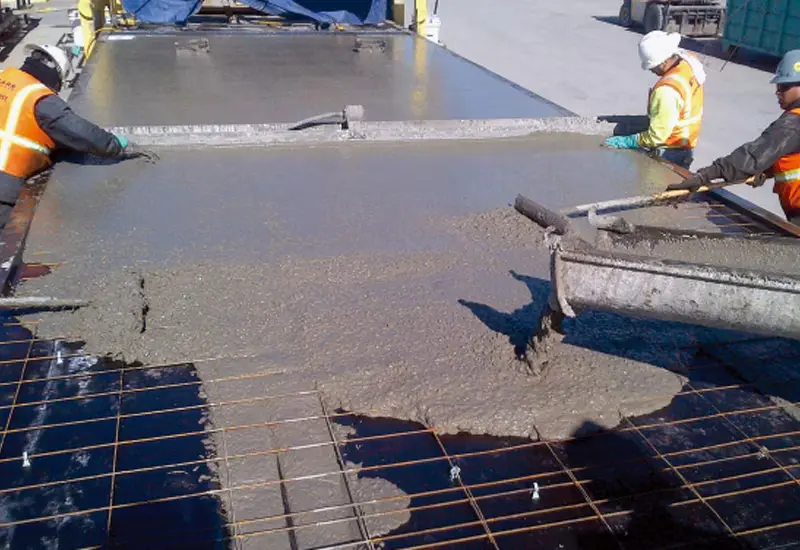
656	47
59	57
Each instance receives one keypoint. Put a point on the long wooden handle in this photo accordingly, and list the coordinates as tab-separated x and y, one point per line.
644	200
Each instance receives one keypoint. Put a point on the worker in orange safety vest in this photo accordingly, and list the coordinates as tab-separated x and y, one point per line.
775	153
675	103
34	121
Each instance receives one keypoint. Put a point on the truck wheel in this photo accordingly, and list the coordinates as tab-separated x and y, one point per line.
653	18
625	15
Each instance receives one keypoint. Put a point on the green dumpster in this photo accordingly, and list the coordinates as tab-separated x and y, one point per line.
767	26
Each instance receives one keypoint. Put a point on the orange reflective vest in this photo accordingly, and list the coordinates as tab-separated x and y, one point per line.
24	147
786	172
681	79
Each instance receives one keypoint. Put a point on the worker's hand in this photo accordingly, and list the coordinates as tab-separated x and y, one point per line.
134	151
623	142
690	184
757	180
123	141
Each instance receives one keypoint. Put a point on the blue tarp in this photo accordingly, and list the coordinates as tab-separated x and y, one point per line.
350	12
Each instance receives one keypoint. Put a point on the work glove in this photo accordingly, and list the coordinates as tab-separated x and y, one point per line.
758	180
623	142
690	184
131	150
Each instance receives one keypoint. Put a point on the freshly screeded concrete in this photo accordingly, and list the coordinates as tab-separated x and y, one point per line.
302	76
392	274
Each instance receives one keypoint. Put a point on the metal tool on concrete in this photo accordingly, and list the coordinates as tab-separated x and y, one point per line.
734	282
348	118
643	200
40	302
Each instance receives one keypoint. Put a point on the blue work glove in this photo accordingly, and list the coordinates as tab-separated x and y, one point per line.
123	141
623	142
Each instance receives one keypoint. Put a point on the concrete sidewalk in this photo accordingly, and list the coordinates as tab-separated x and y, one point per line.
575	54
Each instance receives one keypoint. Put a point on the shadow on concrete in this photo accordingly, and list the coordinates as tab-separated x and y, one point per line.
10	39
715	47
627	124
712	47
86	159
677	347
614	20
518	324
618	467
635	491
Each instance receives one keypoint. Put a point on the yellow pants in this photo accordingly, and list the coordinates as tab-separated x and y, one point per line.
93	18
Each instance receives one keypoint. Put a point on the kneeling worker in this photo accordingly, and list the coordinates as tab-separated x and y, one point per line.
775	153
34	121
675	105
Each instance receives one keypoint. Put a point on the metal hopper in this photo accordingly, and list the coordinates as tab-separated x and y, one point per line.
736	282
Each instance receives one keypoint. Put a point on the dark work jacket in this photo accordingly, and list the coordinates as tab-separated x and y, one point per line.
781	138
69	131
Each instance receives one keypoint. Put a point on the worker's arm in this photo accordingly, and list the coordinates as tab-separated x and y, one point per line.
72	131
781	138
665	113
755	158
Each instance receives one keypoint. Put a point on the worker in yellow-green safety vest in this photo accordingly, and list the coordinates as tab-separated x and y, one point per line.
675	105
775	153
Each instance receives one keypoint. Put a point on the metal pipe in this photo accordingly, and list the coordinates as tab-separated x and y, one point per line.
541	215
37	302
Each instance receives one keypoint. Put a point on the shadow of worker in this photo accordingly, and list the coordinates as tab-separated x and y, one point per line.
644	503
520	323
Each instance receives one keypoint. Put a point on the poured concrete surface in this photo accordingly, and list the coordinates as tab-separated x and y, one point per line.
394	275
285	77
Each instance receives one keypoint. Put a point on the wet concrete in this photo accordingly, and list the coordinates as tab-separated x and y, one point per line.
771	255
385	272
288	77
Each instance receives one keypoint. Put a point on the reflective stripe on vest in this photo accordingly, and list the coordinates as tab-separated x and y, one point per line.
9	133
786	172
687	129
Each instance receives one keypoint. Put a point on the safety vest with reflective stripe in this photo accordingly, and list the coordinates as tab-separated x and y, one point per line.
786	172
24	147
681	79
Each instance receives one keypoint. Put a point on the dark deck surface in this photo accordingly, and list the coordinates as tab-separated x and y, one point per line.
121	460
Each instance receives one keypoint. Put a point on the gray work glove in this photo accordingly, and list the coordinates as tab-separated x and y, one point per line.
758	180
134	151
131	150
690	184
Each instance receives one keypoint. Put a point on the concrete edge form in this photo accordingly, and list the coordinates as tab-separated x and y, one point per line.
279	134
